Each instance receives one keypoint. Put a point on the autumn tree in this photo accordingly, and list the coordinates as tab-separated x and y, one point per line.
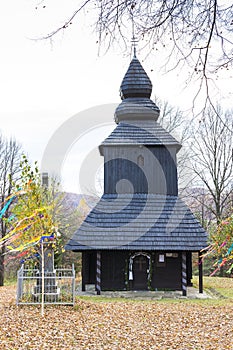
34	220
221	247
212	160
34	212
74	210
10	154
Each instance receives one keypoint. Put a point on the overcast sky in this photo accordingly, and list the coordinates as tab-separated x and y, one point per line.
43	84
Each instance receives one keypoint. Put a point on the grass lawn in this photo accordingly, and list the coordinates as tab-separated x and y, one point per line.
98	323
223	286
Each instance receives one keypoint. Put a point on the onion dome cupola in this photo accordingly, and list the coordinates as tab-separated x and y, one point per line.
135	91
136	82
137	114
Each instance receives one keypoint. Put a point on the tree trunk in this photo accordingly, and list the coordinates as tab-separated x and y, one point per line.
3	250
1	273
2	267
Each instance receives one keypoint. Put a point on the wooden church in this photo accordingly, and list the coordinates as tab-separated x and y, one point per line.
140	235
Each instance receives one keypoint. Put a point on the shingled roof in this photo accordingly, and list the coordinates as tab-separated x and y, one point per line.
148	133
135	93
139	222
136	82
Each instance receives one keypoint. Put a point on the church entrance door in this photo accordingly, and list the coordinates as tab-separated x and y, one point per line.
140	272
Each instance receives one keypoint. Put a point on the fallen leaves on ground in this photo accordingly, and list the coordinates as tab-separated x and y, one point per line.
115	325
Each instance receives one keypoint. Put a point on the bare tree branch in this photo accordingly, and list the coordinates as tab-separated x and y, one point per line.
10	155
197	34
213	158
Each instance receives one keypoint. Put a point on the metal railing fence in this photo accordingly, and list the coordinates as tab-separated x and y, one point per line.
59	286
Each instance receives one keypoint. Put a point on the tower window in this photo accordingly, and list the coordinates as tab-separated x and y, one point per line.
140	160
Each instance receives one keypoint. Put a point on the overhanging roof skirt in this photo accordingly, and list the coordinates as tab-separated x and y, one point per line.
139	222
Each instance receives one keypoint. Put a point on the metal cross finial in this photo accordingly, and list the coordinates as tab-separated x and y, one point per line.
134	40
134	45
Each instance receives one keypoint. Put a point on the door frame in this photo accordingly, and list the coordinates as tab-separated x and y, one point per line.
131	261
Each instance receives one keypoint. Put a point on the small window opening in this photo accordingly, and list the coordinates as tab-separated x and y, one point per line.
140	160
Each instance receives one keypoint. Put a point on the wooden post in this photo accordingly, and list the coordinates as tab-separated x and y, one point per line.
184	274
98	273
189	269
42	278
83	271
200	269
